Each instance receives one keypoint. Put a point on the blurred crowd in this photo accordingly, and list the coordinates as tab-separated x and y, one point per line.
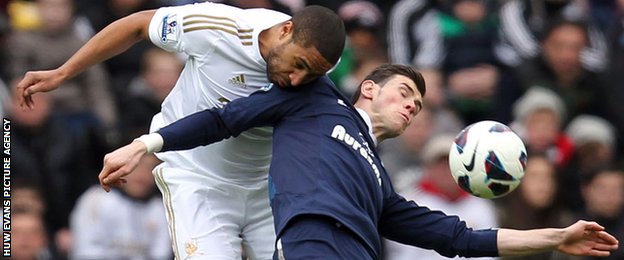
553	70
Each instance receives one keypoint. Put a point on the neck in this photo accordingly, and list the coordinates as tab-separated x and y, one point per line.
378	130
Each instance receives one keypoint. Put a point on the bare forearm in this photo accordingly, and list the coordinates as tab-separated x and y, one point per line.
112	40
525	242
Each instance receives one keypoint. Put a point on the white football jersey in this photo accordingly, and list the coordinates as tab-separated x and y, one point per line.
114	226
224	63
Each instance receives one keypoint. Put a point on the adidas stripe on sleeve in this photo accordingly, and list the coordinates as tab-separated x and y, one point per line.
195	29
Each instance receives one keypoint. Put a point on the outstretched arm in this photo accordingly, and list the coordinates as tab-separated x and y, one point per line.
408	223
263	108
112	40
582	238
201	128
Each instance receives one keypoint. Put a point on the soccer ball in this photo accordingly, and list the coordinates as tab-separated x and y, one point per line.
488	159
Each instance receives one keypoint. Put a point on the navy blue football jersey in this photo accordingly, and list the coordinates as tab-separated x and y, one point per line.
325	163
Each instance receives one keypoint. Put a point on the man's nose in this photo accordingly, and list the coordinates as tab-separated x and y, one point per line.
411	107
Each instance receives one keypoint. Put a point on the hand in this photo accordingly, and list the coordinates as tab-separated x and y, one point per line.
120	163
37	81
587	238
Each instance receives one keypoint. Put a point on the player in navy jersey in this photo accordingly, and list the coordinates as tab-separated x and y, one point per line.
330	195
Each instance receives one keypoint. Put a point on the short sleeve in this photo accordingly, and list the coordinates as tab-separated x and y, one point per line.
165	28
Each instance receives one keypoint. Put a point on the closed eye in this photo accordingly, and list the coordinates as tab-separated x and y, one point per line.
303	65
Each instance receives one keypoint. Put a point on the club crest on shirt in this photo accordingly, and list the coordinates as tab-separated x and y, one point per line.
169	28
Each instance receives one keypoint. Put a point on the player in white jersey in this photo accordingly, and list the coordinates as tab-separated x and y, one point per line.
216	196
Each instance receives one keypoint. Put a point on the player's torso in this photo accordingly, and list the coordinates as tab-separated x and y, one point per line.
242	157
223	64
322	158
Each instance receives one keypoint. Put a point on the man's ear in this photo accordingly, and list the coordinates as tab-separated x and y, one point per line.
287	29
368	89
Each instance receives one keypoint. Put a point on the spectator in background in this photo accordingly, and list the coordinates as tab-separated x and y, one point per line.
435	188
603	192
47	158
22	15
595	145
27	199
594	139
471	69
84	103
136	230
602	13
559	69
29	240
534	204
383	5
365	49
5	97
159	72
615	78
413	34
538	120
4	32
414	38
123	67
51	159
523	22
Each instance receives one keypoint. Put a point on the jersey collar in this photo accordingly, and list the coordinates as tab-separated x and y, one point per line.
369	123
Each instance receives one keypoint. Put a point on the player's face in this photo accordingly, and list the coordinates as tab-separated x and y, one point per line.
395	105
289	64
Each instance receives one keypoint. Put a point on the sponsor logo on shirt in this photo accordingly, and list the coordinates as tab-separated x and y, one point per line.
238	81
169	25
340	133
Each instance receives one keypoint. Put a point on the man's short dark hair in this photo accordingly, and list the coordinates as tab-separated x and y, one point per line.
321	28
382	74
559	22
589	175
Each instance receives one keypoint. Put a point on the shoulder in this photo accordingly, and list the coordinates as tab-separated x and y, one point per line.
322	84
226	13
265	14
204	6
